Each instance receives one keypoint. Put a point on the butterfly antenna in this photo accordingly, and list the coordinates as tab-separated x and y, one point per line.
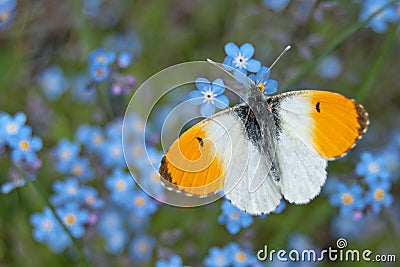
283	52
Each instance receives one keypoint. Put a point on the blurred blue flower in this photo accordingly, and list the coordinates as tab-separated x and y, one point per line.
49	231
114	128
91	7
281	206
330	67
173	261
241	58
90	197
116	242
261	79
110	220
217	257
372	167
379	196
240	257
74	218
66	191
10	126
124	59
391	157
348	198
99	72
112	154
24	147
299	242
276	5
141	248
137	223
379	23
82	91
52	82
209	95
80	168
7	13
119	183
64	153
91	136
344	226
102	57
233	218
140	203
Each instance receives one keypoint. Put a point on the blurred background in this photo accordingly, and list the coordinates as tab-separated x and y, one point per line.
67	72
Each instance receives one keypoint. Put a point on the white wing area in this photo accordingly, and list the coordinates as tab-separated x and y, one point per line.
244	166
303	170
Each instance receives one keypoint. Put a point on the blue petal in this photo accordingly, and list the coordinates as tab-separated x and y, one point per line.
227	63
196	98
221	102
36	143
203	84
247	50
207	109
218	86
271	87
253	65
20	118
231	49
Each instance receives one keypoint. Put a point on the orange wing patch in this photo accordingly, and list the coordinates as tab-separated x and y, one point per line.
339	122
192	164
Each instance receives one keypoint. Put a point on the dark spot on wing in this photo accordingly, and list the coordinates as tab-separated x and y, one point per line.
200	141
317	107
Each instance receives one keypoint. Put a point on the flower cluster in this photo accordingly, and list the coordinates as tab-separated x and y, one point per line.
210	94
16	139
101	68
380	22
230	255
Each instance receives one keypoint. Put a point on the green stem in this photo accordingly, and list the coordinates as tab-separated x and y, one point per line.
368	83
83	260
105	100
332	46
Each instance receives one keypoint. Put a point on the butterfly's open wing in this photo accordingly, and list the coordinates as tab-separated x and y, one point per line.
315	126
218	154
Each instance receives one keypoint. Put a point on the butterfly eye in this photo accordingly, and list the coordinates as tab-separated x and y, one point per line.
261	87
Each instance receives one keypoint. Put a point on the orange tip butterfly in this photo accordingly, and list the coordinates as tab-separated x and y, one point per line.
263	150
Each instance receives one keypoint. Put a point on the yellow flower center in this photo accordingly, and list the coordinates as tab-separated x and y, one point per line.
139	201
70	219
99	72
11	127
379	194
90	200
261	87
142	247
4	16
116	151
77	170
121	185
347	198
240	256
235	215
98	140
101	59
24	145
137	151
66	155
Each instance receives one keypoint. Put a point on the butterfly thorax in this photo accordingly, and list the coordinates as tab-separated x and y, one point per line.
260	118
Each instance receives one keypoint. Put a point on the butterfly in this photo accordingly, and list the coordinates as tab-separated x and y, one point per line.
265	149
